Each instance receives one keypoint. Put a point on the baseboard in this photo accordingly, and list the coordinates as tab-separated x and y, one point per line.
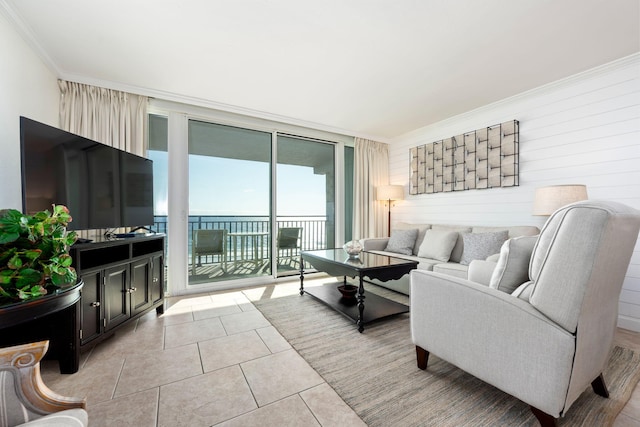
629	323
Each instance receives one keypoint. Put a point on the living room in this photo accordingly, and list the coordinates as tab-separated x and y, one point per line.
578	128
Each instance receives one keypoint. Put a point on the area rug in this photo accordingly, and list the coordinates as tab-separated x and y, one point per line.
375	373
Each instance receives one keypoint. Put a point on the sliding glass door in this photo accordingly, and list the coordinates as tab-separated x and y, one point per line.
240	203
229	202
305	206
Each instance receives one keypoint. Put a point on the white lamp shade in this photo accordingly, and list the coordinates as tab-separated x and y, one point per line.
390	192
549	199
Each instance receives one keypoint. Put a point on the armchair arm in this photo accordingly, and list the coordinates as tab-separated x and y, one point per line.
374	243
24	362
496	337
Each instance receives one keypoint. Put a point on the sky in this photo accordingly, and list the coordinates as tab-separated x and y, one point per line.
219	186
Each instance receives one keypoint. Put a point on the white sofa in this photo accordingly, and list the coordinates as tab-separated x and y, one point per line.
450	264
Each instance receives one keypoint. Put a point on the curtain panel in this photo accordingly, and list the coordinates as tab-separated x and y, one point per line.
371	169
115	118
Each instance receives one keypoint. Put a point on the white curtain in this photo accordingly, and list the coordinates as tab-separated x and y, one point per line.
371	169
115	118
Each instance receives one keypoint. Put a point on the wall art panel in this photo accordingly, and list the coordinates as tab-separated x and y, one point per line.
483	158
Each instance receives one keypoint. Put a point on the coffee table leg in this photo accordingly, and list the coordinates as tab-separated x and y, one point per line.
301	275
360	321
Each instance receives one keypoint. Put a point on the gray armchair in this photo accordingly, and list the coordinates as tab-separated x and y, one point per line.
26	401
551	338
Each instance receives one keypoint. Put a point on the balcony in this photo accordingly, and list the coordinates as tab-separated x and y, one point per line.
248	245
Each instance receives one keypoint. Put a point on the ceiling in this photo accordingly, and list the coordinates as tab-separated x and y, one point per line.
371	68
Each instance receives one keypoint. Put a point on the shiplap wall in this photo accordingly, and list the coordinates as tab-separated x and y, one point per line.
582	130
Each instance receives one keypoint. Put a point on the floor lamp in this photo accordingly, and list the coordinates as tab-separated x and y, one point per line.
549	199
389	193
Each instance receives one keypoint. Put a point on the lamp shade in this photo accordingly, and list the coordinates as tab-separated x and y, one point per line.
549	199
390	192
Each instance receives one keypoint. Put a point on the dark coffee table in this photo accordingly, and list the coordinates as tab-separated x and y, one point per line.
336	262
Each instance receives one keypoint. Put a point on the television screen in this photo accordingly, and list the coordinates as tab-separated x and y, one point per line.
103	187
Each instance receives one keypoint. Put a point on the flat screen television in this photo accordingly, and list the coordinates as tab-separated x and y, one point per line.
102	186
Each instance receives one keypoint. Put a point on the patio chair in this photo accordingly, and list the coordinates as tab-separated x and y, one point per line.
209	242
288	241
26	400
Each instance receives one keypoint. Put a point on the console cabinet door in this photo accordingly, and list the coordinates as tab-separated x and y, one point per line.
140	285
116	296
90	307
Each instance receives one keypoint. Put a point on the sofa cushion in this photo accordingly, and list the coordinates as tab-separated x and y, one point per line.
481	245
422	229
456	252
452	269
402	241
512	268
438	244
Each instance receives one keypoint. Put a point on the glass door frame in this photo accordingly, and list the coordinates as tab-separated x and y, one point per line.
178	199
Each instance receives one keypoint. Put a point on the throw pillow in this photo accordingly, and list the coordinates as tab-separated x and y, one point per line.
481	245
512	269
438	244
402	241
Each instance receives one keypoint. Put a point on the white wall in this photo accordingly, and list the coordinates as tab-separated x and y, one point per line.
27	88
581	130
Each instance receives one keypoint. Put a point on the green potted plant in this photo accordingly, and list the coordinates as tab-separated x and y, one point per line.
34	254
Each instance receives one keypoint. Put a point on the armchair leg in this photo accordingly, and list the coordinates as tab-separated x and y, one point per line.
422	357
600	387
545	419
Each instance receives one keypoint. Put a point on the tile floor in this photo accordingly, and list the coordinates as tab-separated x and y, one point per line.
214	360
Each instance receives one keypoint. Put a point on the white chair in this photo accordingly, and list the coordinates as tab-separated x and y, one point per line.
551	338
26	400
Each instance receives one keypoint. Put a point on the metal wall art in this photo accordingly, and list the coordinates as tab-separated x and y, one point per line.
484	158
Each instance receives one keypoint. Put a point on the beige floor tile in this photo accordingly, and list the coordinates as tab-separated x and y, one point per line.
135	410
273	339
187	300
83	383
176	315
245	321
287	412
189	333
207	311
206	399
144	371
329	408
123	343
231	350
278	376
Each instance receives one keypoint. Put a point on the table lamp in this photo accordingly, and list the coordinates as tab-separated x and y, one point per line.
551	198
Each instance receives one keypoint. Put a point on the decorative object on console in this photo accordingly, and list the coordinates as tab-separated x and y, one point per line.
483	158
34	250
353	248
551	198
389	193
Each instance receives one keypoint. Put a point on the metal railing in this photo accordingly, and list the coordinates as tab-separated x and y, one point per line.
316	231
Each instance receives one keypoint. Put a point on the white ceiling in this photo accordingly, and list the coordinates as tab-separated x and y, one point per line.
375	68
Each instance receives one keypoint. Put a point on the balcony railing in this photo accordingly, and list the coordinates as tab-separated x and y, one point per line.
316	234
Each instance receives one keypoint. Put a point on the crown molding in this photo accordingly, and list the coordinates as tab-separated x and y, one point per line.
27	34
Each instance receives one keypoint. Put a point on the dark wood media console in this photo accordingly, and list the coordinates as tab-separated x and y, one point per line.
123	280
